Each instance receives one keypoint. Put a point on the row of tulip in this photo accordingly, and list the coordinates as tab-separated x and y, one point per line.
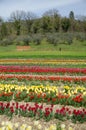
39	111
41	61
8	125
77	101
66	96
43	77
70	90
38	69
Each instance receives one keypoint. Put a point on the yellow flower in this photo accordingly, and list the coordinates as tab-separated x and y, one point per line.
62	126
46	128
16	125
9	128
52	127
70	128
39	127
29	128
3	128
36	123
2	123
23	127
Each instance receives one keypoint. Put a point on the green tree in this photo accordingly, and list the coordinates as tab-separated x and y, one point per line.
35	28
56	23
1	21
51	20
72	21
46	24
3	31
71	15
65	24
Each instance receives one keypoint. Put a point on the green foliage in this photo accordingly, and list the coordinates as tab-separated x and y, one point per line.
35	28
65	24
46	24
71	15
3	31
25	23
17	26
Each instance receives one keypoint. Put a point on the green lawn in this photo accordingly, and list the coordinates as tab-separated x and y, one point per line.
46	50
43	54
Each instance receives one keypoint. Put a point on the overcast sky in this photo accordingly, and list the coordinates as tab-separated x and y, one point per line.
40	6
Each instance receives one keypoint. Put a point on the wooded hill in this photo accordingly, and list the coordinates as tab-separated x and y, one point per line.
25	27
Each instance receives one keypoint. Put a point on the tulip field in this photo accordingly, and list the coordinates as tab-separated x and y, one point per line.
42	94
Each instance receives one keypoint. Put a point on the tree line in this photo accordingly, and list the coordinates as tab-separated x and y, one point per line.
27	23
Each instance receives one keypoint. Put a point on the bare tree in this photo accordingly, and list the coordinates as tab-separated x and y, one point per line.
17	17
51	12
29	18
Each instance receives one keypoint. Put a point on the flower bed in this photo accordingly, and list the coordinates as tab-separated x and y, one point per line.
50	94
37	125
41	61
21	77
39	111
38	69
50	101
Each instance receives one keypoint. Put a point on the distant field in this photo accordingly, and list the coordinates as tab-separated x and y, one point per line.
76	50
44	54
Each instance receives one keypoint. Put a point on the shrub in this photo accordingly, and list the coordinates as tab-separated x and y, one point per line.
23	41
37	39
52	39
81	37
6	42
